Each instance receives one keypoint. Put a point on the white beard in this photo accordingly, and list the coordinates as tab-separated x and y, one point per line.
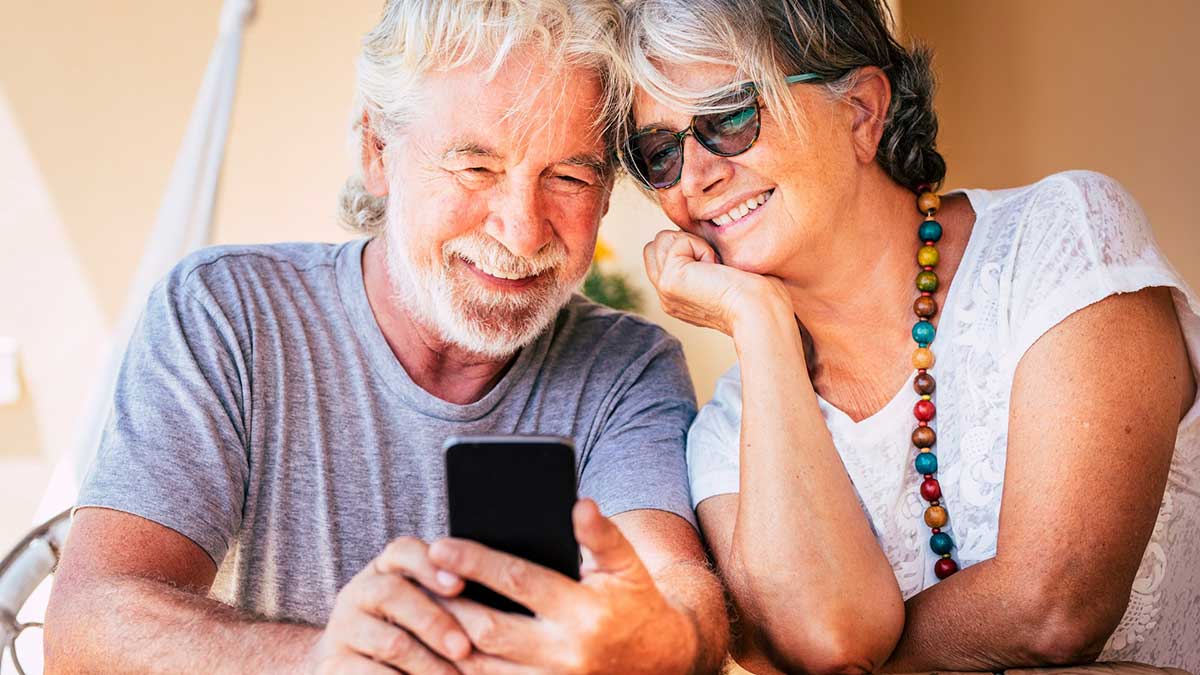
463	312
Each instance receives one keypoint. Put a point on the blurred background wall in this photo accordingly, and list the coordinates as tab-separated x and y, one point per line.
94	98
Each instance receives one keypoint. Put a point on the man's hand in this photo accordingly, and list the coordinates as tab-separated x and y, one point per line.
613	621
384	617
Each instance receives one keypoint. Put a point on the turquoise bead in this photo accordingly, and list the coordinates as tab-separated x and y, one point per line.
923	332
941	543
930	230
926	463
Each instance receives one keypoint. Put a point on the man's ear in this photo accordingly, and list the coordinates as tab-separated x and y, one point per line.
374	175
869	100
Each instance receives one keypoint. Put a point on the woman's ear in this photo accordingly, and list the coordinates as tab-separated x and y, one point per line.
374	175
869	100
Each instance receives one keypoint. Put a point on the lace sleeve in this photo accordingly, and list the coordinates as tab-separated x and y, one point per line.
1080	238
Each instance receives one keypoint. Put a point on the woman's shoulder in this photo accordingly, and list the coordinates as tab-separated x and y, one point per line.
1067	205
1060	244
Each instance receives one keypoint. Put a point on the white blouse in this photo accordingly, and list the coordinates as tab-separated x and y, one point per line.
1036	255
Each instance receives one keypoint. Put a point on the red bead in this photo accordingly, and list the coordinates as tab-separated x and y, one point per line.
936	530
945	567
930	490
924	410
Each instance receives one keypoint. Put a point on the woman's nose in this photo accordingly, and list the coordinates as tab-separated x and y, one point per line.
703	171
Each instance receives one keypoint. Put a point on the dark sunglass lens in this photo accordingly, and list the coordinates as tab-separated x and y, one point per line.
657	157
733	131
728	133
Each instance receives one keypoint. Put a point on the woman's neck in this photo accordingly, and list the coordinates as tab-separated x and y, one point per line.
855	304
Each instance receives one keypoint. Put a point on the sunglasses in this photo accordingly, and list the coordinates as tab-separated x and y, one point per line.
655	156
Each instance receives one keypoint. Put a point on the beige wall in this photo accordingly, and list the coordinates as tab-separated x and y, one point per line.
1031	87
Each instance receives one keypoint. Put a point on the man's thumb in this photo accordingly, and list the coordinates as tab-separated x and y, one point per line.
611	551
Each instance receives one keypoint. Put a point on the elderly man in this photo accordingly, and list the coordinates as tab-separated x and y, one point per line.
269	494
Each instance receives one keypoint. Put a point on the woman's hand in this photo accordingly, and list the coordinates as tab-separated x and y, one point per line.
694	287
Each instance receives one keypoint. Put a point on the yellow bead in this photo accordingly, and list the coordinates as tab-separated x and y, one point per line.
936	516
926	397
922	358
927	256
928	202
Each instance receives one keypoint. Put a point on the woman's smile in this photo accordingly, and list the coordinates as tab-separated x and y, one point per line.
736	214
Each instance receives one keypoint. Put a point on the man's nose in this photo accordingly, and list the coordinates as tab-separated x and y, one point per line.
519	222
702	170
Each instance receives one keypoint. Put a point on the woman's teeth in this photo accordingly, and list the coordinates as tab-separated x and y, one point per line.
738	212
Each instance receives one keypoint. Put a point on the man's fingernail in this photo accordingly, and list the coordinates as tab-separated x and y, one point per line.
447	579
456	644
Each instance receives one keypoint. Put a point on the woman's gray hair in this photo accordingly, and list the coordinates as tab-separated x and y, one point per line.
416	37
767	40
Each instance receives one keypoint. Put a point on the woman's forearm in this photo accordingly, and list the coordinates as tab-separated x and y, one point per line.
806	564
966	623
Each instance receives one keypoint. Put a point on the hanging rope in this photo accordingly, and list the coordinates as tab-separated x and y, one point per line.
183	224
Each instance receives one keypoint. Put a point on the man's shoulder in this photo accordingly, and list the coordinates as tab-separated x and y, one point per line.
589	325
217	270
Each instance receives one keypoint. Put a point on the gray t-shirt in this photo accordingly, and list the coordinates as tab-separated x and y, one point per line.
261	413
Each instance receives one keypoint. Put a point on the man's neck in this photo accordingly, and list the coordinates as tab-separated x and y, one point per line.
444	370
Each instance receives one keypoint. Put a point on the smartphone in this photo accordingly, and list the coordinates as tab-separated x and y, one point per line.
514	494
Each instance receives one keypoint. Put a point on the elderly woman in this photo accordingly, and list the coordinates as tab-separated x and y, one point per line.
962	430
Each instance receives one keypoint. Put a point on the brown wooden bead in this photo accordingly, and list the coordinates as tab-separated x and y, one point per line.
936	516
924	383
925	306
929	202
924	437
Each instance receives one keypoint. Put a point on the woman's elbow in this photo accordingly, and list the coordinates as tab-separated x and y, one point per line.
1072	630
1065	641
833	655
852	646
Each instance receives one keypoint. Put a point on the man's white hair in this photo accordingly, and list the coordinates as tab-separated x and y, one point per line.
416	37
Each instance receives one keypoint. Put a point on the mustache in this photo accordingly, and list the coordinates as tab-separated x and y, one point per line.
486	252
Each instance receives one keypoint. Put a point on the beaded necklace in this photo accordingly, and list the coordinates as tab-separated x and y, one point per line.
924	437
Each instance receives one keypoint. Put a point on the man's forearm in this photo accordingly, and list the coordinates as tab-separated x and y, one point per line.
694	590
139	625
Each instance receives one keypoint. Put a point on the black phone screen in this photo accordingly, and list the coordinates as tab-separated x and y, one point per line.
514	494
